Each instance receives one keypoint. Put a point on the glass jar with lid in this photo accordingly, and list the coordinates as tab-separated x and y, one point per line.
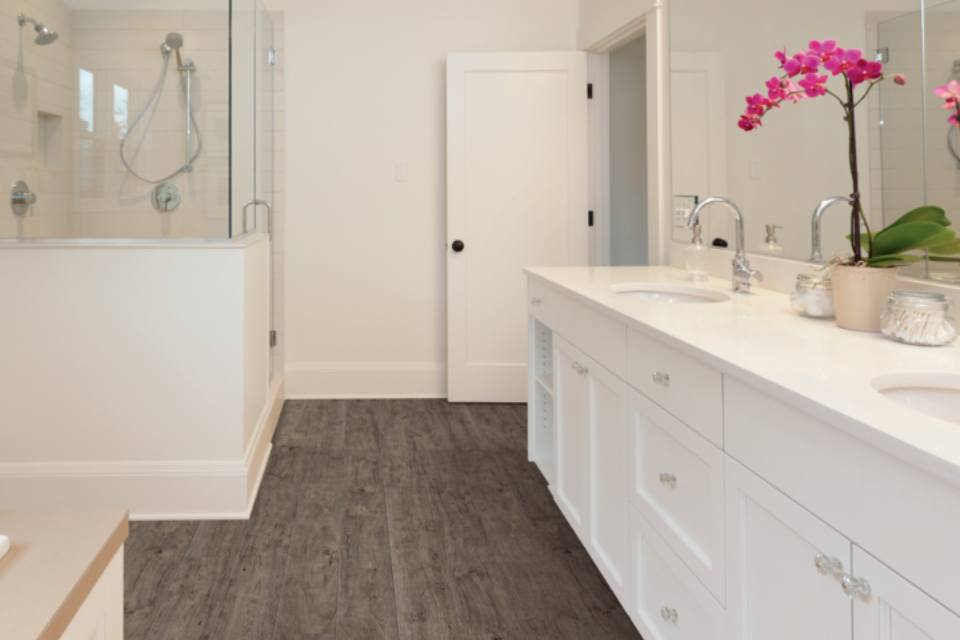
920	318
813	296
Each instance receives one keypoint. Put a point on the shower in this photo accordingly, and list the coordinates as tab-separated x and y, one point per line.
171	46
45	35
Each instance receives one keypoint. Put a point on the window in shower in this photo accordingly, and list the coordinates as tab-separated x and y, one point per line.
121	110
85	96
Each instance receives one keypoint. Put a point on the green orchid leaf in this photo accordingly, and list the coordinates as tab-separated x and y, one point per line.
944	259
900	260
926	213
910	236
948	249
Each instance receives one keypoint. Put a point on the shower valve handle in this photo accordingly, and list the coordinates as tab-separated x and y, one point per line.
21	198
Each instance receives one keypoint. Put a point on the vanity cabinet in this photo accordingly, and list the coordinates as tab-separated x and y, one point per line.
785	566
719	512
593	460
572	432
894	608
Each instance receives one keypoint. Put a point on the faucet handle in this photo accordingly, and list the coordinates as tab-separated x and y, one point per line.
744	274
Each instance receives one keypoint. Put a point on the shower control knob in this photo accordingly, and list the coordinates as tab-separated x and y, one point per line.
457	246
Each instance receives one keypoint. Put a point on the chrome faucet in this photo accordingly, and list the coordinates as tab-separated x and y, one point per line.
816	251
742	273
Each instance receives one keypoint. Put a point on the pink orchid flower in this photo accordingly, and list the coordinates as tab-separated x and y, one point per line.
950	93
801	78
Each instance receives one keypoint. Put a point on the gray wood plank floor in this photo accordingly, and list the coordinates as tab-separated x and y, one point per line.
396	519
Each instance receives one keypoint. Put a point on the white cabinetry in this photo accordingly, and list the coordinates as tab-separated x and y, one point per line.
717	512
678	487
609	478
670	603
593	460
572	432
100	617
785	566
894	609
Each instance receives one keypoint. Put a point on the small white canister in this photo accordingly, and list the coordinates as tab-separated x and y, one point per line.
813	296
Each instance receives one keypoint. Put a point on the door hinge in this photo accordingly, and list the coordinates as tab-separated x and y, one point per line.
589	91
589	218
273	338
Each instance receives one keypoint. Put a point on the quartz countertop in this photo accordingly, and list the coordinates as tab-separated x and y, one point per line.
810	364
54	561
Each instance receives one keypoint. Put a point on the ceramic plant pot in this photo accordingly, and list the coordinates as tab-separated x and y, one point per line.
860	294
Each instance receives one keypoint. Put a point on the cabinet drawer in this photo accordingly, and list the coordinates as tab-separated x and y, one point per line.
678	486
601	337
680	384
669	602
548	305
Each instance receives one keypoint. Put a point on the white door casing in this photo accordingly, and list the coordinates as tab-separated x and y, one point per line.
697	111
516	196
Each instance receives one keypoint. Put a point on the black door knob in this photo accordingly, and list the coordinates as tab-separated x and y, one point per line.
457	246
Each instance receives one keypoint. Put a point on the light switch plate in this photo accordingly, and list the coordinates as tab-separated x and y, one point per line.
683	206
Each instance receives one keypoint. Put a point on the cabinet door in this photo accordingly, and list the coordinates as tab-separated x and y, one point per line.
893	609
572	433
776	589
610	479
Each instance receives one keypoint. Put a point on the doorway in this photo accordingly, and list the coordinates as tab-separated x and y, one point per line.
629	238
624	234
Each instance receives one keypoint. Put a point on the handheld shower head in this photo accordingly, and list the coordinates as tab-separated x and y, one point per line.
45	35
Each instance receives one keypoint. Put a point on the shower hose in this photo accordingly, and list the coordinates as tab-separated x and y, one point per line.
150	108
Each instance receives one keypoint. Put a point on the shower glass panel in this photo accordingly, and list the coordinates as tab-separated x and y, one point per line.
117	122
942	151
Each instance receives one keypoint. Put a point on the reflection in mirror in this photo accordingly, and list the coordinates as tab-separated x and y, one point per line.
799	157
927	168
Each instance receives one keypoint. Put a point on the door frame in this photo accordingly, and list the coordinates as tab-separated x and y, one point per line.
654	25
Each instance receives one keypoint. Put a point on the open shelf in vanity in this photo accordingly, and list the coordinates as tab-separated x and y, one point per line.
541	410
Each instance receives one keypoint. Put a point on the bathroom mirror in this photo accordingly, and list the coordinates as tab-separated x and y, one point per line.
722	52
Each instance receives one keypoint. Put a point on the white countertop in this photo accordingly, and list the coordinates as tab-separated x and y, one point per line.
810	364
55	559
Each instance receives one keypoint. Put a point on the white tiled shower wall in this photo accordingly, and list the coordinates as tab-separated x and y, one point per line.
74	165
913	173
37	114
122	51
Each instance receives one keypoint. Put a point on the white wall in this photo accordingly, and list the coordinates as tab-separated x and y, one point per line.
628	154
135	376
365	257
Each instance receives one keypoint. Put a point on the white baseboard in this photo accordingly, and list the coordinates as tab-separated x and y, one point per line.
326	380
149	490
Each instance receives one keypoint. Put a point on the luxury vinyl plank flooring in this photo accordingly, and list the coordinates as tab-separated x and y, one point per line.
393	520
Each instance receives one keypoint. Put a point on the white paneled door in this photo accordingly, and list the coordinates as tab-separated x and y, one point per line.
516	197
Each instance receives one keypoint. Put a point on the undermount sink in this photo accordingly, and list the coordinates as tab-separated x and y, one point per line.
670	293
932	393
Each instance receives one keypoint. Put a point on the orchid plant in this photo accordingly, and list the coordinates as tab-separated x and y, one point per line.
804	76
950	93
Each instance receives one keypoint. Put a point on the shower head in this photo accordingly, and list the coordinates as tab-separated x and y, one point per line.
173	42
45	35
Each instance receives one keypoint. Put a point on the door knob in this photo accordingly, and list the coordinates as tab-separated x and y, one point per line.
457	246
